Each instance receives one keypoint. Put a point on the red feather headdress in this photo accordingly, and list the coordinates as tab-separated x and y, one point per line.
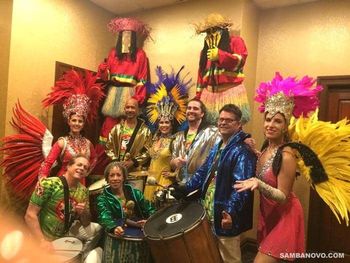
78	94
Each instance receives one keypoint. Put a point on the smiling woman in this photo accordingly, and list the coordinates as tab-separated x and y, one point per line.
123	211
79	106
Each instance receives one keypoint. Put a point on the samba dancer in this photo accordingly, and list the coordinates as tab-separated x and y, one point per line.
80	98
166	110
326	169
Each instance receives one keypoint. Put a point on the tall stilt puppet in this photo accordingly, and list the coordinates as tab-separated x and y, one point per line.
220	73
125	72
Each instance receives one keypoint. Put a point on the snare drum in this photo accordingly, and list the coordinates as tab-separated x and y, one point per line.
94	191
131	247
181	233
67	249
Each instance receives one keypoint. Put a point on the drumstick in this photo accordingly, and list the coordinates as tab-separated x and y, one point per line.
132	223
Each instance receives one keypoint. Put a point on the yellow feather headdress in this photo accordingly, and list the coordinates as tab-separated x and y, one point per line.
168	97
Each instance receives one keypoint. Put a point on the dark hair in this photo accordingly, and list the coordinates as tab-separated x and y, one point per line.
73	158
66	125
174	125
232	108
224	45
118	46
202	106
111	165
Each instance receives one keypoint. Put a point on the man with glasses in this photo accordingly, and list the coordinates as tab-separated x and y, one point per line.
231	159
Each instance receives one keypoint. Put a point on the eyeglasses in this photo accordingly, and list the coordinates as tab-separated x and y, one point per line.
228	121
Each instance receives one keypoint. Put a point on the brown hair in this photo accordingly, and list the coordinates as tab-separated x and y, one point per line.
72	160
111	165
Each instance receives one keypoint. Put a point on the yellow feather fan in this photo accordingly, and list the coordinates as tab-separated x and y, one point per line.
331	143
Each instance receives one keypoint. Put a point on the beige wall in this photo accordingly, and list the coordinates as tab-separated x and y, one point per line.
5	38
311	39
250	30
43	32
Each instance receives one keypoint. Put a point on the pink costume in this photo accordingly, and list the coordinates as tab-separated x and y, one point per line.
276	220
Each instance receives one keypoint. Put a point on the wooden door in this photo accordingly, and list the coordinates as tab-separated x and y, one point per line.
325	234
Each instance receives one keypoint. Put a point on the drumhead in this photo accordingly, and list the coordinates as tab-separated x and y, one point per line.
130	233
174	220
98	185
67	248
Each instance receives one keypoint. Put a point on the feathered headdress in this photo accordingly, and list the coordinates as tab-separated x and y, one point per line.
168	97
127	23
288	96
78	94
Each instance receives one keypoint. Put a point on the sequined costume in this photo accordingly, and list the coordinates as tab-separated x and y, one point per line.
236	162
276	218
197	152
112	214
160	161
136	148
72	146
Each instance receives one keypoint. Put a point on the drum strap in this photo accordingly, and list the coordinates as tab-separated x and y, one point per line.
132	138
212	172
66	204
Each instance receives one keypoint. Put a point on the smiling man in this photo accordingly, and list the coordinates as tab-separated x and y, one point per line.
48	217
230	160
127	140
191	146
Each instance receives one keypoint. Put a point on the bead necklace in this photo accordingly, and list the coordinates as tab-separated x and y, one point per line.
77	143
163	143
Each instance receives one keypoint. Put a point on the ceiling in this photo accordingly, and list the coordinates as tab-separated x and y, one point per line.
120	7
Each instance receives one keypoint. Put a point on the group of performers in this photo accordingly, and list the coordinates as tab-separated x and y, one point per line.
184	145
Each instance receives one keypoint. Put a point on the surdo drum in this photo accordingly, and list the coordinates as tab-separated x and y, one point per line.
181	233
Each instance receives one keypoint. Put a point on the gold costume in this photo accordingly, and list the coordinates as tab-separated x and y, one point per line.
160	162
139	142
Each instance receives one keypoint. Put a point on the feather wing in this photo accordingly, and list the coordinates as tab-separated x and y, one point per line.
23	153
331	144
